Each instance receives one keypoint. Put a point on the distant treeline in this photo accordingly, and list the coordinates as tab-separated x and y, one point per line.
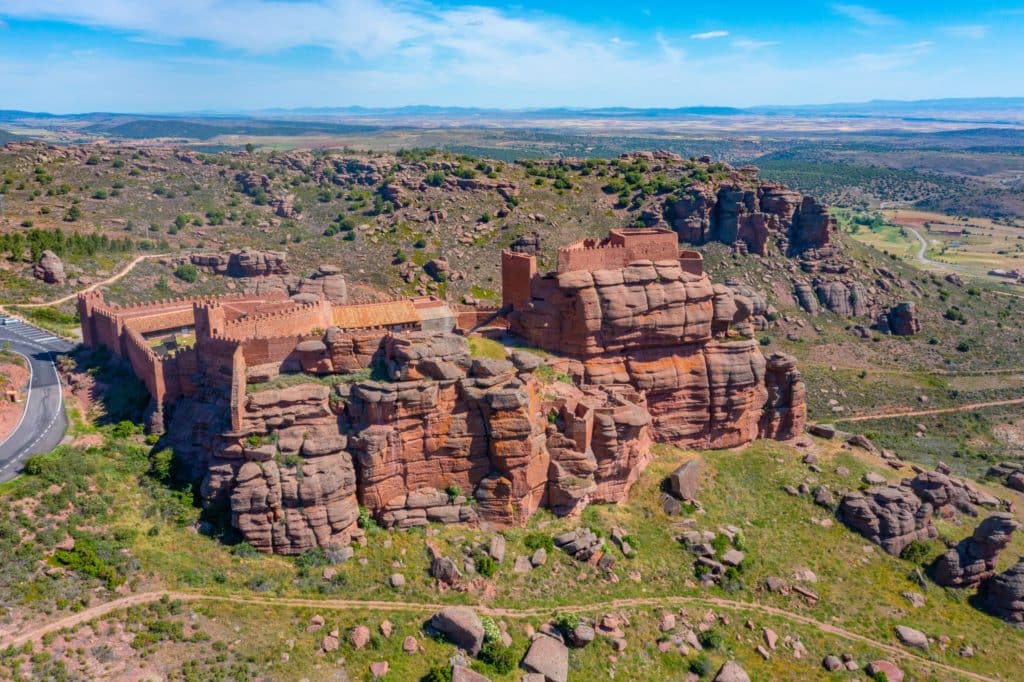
36	241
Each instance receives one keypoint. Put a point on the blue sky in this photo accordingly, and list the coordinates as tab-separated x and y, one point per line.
151	56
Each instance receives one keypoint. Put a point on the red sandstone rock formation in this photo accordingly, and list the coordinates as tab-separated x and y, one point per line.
668	334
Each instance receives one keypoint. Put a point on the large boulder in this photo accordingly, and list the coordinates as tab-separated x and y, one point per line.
732	672
50	268
890	516
548	657
684	482
461	626
1003	595
973	560
903	320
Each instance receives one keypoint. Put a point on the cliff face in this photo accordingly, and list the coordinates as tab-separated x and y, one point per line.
681	342
445	438
745	210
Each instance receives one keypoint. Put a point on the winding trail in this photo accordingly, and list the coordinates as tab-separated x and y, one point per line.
94	612
921	413
109	280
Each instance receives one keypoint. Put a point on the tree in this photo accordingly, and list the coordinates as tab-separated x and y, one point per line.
187	272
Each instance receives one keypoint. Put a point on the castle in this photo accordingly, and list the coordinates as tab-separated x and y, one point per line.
177	347
645	346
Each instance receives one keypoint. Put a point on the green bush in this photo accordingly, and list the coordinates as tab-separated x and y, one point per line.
917	552
500	657
701	666
486	565
187	272
566	622
244	550
536	540
123	429
82	558
711	639
439	673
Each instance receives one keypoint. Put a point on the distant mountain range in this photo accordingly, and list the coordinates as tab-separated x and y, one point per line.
871	108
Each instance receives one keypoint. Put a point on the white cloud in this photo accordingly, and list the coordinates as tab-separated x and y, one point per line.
889	60
708	35
864	15
747	45
969	31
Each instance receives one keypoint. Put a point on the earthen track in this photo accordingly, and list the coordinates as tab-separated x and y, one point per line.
37	632
921	413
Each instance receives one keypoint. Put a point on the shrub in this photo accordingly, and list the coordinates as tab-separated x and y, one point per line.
492	633
500	657
439	673
711	639
82	558
536	540
486	565
916	552
453	491
567	622
187	272
123	429
435	179
701	666
244	550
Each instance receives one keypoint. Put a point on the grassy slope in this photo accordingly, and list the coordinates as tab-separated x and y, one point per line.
860	589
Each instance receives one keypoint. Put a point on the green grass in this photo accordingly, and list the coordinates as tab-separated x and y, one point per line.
480	347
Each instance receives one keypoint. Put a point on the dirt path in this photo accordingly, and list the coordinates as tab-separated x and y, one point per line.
922	413
95	612
109	280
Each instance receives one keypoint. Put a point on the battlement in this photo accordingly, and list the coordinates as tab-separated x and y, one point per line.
618	249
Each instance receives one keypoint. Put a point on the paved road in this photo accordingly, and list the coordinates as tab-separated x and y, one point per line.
43	422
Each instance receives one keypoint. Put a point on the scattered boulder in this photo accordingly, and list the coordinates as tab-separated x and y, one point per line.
832	664
973	560
461	626
496	548
581	544
684	482
397	580
891	671
911	637
445	570
732	672
461	673
548	657
49	269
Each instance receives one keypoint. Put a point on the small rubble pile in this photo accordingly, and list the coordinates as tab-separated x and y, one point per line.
581	544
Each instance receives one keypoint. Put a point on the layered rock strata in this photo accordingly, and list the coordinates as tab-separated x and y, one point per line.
675	338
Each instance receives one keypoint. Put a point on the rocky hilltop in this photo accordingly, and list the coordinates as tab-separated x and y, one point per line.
646	352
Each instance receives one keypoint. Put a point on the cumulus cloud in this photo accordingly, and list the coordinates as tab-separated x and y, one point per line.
708	35
865	16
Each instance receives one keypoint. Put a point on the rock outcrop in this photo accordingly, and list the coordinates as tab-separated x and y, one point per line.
902	319
1003	595
243	263
762	217
973	560
890	516
49	269
675	338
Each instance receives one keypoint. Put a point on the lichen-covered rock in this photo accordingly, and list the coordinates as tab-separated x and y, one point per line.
890	516
461	626
947	495
973	560
243	263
